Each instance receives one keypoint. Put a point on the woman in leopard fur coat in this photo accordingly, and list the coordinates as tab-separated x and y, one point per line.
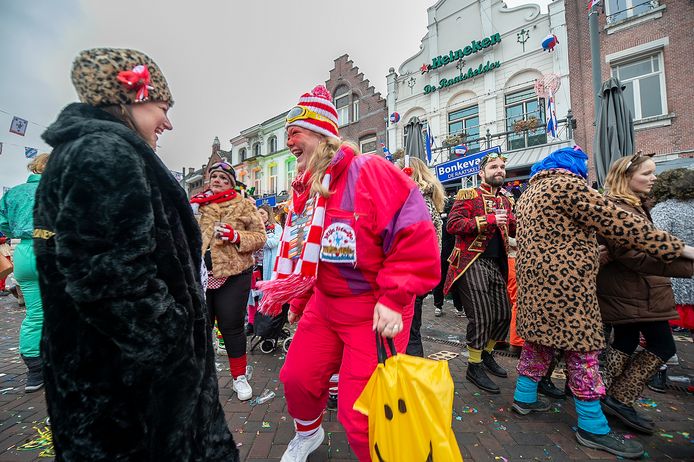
559	219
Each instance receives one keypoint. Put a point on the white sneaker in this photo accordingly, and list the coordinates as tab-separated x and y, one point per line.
242	388
301	446
438	312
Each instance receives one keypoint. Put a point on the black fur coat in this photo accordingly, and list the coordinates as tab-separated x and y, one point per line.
128	360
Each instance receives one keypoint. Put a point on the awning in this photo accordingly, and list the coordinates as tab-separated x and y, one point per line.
524	158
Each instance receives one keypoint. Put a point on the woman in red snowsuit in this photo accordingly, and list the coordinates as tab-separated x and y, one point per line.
350	263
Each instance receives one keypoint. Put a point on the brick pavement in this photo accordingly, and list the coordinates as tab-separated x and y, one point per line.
484	425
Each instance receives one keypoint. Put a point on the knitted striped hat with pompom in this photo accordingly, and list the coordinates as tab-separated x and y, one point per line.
321	115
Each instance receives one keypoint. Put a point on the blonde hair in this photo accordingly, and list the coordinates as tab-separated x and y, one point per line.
270	214
621	171
426	181
321	159
38	163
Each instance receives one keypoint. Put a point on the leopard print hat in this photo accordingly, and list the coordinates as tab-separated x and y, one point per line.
112	76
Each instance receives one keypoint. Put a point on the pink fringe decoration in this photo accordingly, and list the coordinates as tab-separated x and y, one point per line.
277	292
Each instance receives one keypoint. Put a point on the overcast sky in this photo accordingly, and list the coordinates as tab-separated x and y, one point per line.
230	64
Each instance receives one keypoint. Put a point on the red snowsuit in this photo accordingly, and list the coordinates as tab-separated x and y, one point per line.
391	223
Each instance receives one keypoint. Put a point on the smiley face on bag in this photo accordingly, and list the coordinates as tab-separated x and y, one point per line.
397	418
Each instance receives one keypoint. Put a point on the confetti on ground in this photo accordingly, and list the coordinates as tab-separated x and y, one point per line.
469	410
43	442
266	424
443	355
646	402
667	435
504	459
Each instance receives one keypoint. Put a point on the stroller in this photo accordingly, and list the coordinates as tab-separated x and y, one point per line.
270	331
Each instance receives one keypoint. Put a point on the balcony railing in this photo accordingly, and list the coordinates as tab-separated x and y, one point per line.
510	140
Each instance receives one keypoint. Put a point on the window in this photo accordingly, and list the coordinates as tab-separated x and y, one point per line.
368	145
272	181
645	86
257	182
355	108
524	105
342	106
272	144
291	172
466	121
242	154
256	149
618	10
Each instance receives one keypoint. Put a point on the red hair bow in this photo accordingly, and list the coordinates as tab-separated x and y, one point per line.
137	79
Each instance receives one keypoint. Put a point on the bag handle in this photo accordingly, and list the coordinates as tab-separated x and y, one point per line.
381	348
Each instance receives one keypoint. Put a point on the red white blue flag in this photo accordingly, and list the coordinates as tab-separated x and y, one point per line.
551	117
592	3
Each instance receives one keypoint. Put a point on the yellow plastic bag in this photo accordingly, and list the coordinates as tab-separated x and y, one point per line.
409	403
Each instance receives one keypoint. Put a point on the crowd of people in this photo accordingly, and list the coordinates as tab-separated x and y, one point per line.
124	276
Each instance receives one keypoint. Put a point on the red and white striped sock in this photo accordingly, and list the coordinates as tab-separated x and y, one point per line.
307	427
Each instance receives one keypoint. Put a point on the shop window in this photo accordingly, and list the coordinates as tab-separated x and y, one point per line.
466	122
524	105
644	80
619	10
368	145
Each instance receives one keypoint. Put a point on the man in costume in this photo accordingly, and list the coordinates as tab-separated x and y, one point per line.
482	221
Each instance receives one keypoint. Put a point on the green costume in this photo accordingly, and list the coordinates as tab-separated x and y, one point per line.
17	222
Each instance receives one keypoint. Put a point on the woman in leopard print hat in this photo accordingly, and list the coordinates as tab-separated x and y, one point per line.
128	359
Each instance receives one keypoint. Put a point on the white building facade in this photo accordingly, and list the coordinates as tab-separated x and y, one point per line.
261	159
472	81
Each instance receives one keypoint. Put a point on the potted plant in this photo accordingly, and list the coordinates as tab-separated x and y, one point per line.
454	140
530	123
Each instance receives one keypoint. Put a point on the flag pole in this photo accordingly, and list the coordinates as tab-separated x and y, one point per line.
595	58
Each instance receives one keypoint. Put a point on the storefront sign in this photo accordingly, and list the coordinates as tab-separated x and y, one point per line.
463	77
270	200
463	167
453	56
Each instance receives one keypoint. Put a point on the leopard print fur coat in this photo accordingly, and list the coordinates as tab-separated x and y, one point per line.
559	219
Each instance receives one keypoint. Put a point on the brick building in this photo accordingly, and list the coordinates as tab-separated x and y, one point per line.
648	46
361	110
194	181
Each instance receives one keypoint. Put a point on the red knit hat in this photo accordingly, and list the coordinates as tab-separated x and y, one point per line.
316	112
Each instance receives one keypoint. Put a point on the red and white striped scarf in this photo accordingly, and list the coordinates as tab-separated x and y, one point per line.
289	279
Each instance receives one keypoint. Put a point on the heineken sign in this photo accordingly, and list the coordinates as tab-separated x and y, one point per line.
453	56
482	69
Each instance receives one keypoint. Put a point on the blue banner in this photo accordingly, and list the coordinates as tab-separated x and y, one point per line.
463	167
269	200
